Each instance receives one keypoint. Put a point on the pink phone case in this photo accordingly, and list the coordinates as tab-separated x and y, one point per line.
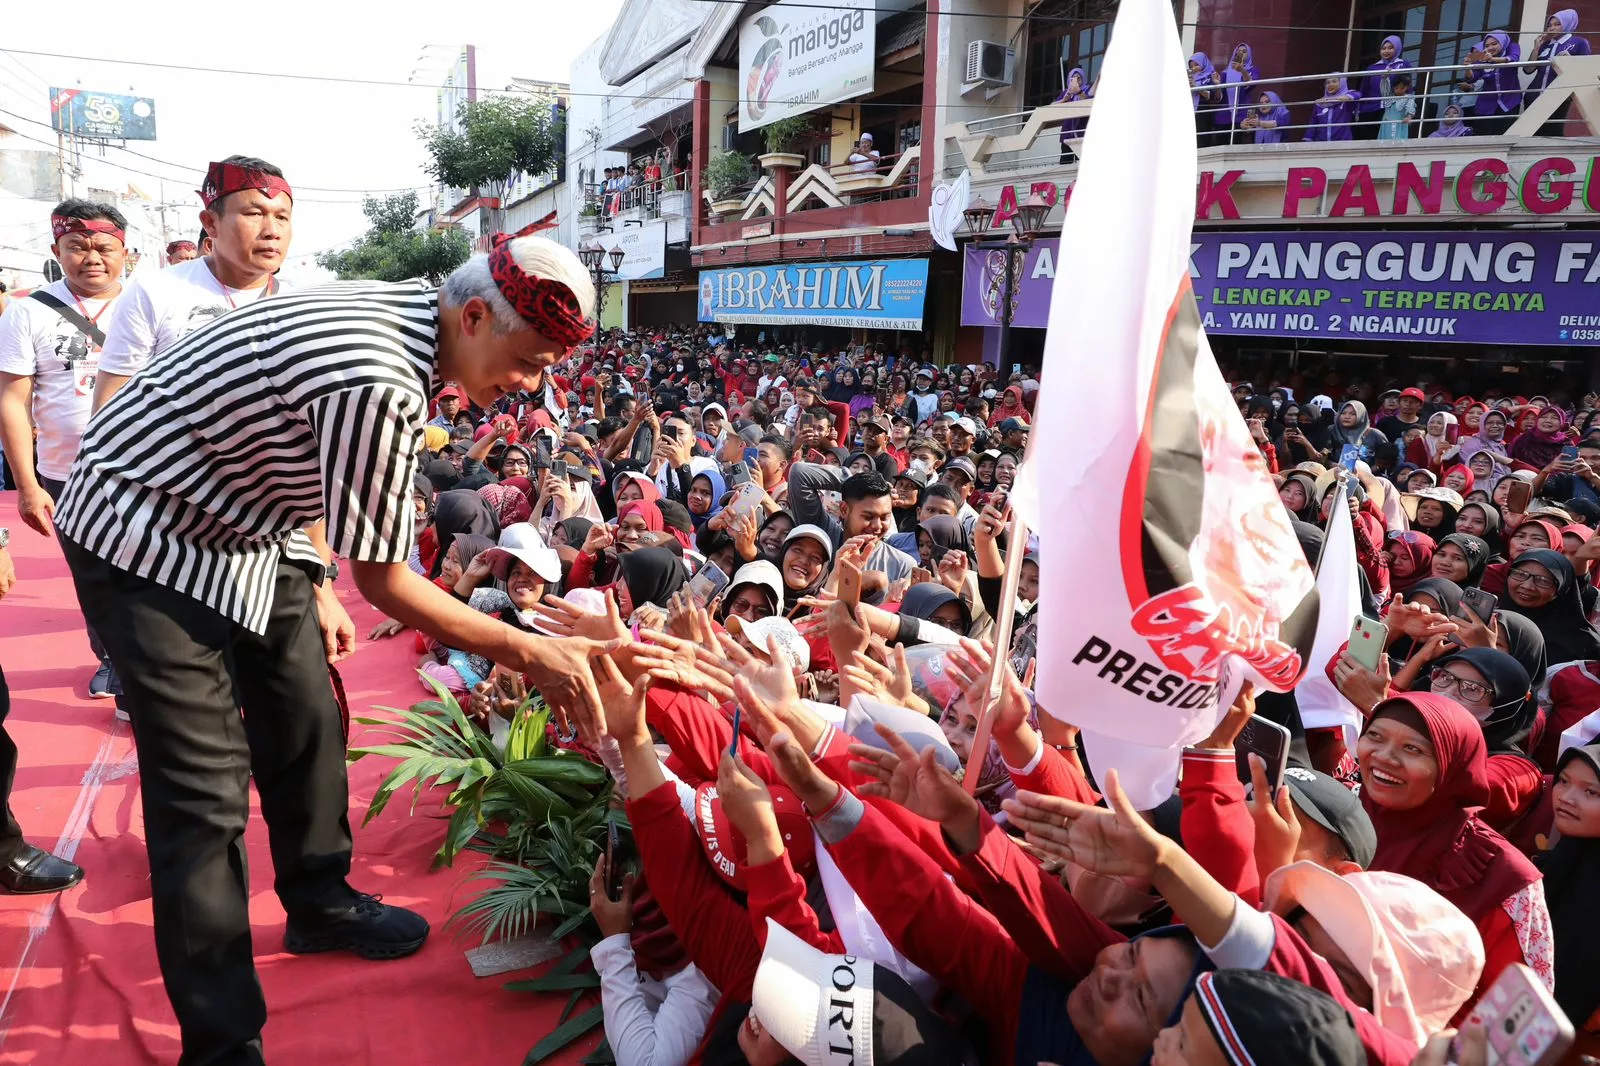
1522	1022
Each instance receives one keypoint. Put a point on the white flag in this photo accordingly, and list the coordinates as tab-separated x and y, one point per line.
1339	590
1165	552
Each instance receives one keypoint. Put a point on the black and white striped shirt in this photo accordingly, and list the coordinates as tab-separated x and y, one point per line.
198	471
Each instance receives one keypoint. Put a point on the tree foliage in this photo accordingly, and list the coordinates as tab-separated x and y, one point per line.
394	250
494	140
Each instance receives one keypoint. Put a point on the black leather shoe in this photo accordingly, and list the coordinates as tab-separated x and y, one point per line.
362	924
34	871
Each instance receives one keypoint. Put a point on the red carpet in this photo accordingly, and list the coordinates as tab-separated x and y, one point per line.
78	979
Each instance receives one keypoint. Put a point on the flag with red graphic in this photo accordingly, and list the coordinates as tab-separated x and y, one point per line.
1168	567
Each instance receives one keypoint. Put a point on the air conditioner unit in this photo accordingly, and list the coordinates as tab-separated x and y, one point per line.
991	63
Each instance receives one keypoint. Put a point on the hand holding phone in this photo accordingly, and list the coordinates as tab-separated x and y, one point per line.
613	866
1368	639
1269	740
1517	497
1522	1021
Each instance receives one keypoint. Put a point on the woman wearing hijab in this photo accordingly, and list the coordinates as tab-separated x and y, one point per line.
1542	443
1077	88
1010	406
1202	87
509	504
1299	494
1410	557
1481	520
1461	557
460	511
647	576
1557	40
803	563
1236	95
1430	450
1531	534
1268	119
1571	872
1451	125
1334	113
707	488
1490	438
1497	91
1376	87
1542	587
937	535
1433	511
1425	775
1354	427
933	602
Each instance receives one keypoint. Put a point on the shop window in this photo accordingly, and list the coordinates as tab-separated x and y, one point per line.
1434	32
1054	48
910	136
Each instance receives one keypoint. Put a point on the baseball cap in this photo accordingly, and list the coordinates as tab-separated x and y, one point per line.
726	848
521	541
916	477
1417	951
923	372
449	392
961	464
802	996
1260	1017
1414	393
965	425
1335	808
816	533
874	420
1011	425
791	645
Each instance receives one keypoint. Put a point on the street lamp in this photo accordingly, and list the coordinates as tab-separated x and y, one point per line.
593	256
1026	225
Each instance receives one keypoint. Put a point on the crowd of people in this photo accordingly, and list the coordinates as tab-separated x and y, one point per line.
761	583
1393	101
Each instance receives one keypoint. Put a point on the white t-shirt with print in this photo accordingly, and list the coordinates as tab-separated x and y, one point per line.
160	309
36	342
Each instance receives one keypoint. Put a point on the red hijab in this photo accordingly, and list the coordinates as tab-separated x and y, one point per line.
648	510
1464	472
1418	547
1442	843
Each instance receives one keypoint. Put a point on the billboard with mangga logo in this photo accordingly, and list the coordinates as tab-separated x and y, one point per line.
1501	287
108	115
876	294
795	57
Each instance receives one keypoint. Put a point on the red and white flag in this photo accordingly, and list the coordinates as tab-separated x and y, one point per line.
1166	559
1322	705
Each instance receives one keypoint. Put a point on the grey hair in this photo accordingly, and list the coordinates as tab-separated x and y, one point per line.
538	257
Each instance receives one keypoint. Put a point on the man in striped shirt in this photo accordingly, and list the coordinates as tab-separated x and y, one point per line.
177	522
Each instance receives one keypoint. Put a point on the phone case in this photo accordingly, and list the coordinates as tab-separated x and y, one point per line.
1480	603
1367	639
1524	1025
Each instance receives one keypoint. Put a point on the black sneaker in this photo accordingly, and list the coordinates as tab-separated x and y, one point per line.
366	926
100	683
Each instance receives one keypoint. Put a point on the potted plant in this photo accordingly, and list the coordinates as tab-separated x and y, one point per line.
780	137
725	175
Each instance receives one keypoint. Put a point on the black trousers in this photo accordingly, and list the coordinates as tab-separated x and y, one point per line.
10	831
55	488
185	671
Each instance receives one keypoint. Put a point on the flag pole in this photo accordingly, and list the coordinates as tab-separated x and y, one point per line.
1016	549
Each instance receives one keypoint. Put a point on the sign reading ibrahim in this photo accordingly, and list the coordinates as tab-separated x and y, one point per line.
879	294
1472	288
795	57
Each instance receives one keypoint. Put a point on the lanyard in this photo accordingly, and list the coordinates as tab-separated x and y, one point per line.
227	294
94	319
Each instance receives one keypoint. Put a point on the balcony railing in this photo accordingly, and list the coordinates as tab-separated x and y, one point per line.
821	186
1033	139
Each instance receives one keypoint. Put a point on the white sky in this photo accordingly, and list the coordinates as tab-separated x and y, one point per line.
325	134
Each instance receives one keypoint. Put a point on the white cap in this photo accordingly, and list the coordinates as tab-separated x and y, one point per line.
966	425
760	573
816	533
791	645
798	989
521	541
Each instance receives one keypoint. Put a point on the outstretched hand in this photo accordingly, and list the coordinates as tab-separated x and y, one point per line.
918	783
1116	842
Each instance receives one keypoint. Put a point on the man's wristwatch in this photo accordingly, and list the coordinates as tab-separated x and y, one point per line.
5	537
331	570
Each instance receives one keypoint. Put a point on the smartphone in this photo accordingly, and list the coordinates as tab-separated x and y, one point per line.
1267	739
541	447
751	456
738	474
1016	368
1480	603
733	748
559	469
746	498
1367	641
1524	1024
1570	452
644	443
1349	455
1517	496
613	867
706	584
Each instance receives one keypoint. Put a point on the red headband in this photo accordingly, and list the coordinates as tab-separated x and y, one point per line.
225	178
179	246
547	305
61	225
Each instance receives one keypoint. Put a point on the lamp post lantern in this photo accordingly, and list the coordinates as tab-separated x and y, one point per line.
1026	225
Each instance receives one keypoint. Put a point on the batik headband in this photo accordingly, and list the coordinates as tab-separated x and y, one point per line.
181	246
225	178
547	305
61	225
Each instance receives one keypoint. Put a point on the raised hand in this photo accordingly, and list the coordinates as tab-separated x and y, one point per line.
1362	687
953	571
1277	826
913	780
1117	842
1227	730
622	701
749	806
563	619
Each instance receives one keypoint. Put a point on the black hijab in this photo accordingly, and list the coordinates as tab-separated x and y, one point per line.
652	575
441	474
1476	549
926	597
945	533
1571	872
422	485
461	511
1448	595
1568	634
1524	643
1506	729
577	530
1491	528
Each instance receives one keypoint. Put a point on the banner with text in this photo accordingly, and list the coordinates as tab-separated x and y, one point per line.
878	294
797	57
1466	288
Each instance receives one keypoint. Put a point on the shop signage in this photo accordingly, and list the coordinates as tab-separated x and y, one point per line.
1421	189
1526	288
796	57
644	250
881	293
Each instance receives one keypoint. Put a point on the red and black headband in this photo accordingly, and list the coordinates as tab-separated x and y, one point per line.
547	305
61	225
181	246
225	178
